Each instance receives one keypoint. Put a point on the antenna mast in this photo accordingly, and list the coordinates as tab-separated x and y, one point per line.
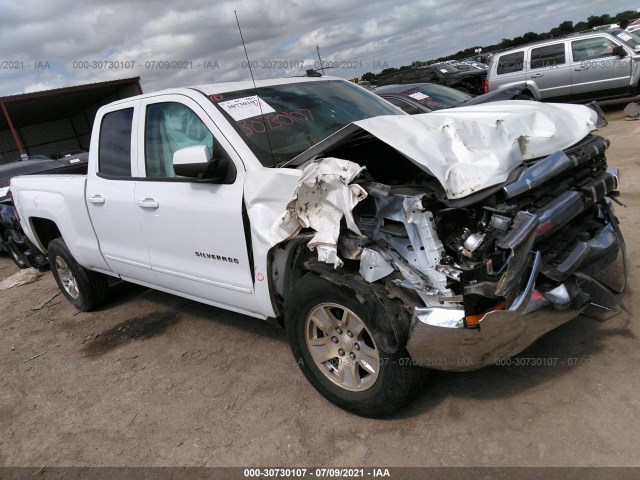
266	128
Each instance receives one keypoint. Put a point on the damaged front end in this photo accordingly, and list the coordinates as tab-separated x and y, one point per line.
483	276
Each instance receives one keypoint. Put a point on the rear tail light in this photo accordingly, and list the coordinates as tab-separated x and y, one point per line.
486	86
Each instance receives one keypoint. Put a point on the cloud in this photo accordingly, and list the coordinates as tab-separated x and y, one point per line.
140	37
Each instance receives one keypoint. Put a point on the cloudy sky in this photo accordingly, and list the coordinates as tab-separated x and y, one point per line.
54	43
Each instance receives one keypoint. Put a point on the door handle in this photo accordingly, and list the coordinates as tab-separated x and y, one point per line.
148	203
97	199
581	68
537	75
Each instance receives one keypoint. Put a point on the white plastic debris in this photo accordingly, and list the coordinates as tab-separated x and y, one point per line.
28	275
323	197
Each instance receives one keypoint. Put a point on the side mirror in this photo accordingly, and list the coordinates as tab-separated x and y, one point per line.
619	51
191	161
196	162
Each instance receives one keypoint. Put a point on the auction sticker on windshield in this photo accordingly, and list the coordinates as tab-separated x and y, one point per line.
246	107
418	96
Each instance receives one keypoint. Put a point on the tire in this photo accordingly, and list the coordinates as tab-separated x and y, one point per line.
526	95
343	359
16	254
38	260
85	289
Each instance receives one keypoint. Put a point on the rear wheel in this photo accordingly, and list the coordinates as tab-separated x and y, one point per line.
85	289
38	260
16	254
334	340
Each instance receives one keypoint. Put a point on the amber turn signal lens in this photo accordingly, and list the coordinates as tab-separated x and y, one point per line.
474	320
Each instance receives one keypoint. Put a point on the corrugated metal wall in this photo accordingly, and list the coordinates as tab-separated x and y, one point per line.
57	136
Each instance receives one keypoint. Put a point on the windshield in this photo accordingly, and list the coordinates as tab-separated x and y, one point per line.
437	97
296	116
630	39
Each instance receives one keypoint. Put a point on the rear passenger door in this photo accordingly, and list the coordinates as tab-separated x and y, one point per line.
596	71
110	194
549	69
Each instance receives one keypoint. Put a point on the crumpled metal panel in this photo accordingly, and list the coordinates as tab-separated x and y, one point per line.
472	148
519	240
323	197
373	265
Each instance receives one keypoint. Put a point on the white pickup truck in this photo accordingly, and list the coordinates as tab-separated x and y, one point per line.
384	243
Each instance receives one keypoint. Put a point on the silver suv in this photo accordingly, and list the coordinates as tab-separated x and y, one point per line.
584	66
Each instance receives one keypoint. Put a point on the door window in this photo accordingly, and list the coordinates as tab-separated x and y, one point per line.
548	56
114	151
592	49
169	127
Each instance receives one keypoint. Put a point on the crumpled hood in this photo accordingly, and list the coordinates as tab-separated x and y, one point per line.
471	148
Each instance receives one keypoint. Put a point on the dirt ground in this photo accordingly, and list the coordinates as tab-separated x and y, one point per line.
153	379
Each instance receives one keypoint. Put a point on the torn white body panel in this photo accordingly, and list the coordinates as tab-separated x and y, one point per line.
323	197
266	195
472	148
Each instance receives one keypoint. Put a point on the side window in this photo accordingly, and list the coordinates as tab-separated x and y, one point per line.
114	151
512	62
168	128
548	56
592	48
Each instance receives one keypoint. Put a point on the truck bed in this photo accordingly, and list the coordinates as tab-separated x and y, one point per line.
61	199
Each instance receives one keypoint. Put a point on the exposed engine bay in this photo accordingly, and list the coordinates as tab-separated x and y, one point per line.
543	241
476	252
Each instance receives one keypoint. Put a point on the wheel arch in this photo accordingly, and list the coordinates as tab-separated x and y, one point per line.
44	231
286	265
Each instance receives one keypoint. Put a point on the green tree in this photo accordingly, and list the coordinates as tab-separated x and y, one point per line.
368	77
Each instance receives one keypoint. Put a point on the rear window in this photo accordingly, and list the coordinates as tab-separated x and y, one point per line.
548	56
512	62
114	153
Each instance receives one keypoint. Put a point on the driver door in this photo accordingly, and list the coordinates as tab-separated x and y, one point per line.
194	229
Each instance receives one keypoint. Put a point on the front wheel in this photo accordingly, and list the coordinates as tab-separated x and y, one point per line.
339	350
85	289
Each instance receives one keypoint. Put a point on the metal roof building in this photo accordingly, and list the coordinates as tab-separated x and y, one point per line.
51	122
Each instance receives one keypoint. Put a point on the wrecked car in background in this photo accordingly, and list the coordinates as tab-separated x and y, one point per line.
472	81
417	98
383	242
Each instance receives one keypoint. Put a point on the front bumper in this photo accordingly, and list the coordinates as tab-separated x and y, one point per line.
437	341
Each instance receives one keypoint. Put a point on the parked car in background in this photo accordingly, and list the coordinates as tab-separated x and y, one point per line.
634	26
444	74
416	98
12	239
465	66
594	65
